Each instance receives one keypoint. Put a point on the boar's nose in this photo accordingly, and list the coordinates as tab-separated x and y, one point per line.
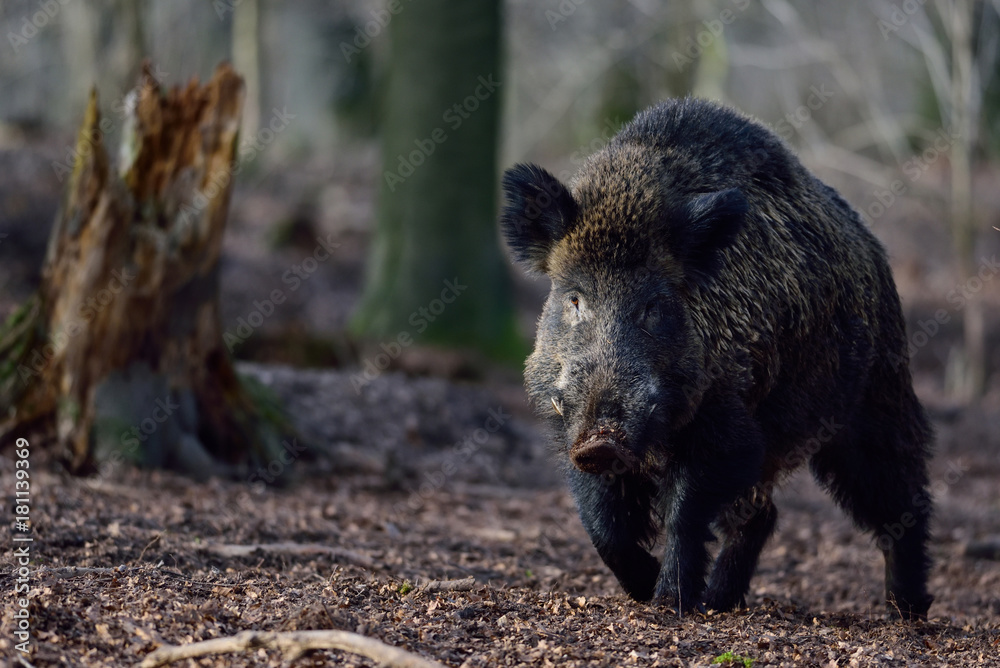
601	445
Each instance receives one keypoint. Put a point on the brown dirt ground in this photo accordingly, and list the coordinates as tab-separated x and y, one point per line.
542	596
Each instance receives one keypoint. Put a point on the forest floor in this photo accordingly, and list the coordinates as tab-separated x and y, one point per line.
348	544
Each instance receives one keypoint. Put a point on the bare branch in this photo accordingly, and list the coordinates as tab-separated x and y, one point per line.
292	644
66	572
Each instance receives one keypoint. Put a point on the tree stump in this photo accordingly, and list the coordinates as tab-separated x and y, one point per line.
120	353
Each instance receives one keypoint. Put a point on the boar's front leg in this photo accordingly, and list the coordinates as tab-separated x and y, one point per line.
616	510
716	459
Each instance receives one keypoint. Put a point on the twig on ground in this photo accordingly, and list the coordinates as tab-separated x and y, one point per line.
24	662
465	584
226	550
65	572
292	644
150	544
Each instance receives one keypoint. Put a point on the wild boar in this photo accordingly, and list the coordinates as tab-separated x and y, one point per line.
718	316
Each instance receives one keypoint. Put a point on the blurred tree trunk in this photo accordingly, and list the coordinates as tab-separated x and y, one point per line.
80	42
246	59
120	352
436	272
134	40
972	378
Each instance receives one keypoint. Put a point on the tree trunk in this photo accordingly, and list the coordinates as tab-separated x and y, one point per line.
120	353
436	273
971	382
246	58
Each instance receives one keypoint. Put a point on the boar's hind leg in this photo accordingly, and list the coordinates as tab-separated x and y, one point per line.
745	529
616	510
878	474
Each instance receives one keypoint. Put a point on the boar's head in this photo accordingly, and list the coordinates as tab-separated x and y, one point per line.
618	361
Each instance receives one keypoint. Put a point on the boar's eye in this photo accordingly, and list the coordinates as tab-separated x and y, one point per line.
653	313
658	316
573	306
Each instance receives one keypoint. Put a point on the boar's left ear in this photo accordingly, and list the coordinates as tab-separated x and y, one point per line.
706	225
538	212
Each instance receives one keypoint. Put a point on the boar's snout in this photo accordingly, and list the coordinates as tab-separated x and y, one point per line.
602	449
608	434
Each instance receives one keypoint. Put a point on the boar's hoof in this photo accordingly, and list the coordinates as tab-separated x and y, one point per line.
602	451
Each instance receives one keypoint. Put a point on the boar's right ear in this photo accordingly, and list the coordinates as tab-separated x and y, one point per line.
538	212
707	225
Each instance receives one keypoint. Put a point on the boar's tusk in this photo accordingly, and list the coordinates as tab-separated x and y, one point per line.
652	408
556	405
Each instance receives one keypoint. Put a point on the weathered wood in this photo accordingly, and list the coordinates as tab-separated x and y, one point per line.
121	353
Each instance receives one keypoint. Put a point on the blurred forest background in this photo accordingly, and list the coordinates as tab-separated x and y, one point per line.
894	104
379	329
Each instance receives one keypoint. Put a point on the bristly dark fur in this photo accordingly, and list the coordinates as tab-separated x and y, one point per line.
718	317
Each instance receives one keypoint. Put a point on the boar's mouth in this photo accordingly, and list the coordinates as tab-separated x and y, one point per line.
602	450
